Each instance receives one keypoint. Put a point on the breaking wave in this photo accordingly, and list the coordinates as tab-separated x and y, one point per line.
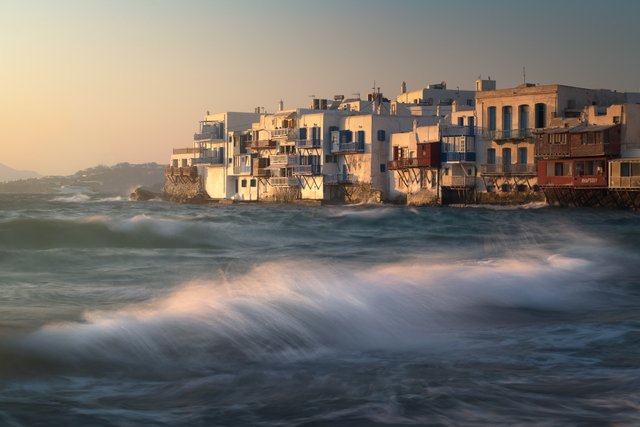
287	311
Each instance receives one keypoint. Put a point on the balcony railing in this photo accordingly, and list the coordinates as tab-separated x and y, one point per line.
242	170
465	156
624	182
186	151
283	160
263	144
517	169
262	172
309	143
285	133
284	181
410	163
207	136
506	134
307	170
189	171
462	181
347	147
215	161
341	178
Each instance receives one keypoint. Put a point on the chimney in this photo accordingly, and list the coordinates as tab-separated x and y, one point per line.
403	87
281	105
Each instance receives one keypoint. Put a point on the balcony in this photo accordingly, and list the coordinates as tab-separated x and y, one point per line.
409	163
309	143
263	144
208	136
341	179
283	160
189	171
261	172
462	181
507	134
528	169
307	170
288	133
213	161
284	181
347	147
464	156
186	151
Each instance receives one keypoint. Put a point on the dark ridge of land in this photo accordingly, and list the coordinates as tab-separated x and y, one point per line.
120	179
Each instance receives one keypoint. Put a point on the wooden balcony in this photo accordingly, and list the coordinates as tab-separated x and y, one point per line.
263	144
189	172
283	160
410	163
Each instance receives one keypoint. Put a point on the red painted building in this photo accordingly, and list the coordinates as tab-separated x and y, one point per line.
576	157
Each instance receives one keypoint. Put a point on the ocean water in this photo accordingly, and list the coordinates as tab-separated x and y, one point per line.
118	313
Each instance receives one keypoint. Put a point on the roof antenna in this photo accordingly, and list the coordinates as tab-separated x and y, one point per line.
524	75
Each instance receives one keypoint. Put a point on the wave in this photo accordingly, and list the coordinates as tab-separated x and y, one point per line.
141	231
74	198
286	311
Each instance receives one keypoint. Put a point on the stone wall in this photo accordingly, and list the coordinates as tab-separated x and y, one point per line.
185	191
510	197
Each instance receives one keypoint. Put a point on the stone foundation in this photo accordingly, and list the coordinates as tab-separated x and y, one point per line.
185	191
423	198
510	197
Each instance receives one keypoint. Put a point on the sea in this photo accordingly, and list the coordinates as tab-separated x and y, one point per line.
120	313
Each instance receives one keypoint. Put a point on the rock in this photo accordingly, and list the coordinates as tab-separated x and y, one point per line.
140	195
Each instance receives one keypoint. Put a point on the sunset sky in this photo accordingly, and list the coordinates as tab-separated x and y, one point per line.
84	83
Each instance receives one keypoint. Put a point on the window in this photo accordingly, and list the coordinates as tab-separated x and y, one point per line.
244	183
175	163
360	136
506	119
492	118
491	156
382	135
253	182
460	121
184	163
522	155
625	169
470	102
541	116
523	117
558	169
383	167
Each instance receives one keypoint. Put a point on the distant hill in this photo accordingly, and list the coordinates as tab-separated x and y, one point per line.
120	179
10	174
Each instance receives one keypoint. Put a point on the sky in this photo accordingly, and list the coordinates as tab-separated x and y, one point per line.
88	82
